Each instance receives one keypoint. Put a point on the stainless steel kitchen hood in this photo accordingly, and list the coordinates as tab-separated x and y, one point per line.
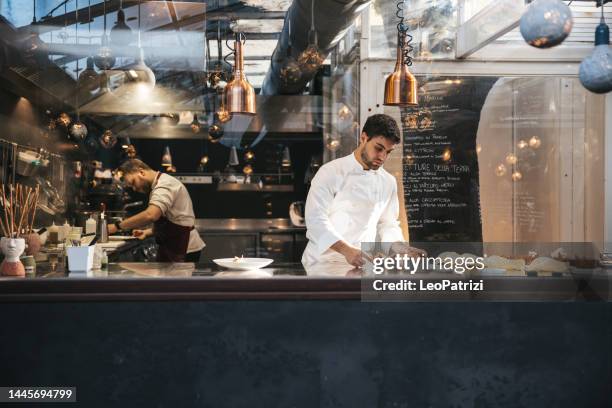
275	114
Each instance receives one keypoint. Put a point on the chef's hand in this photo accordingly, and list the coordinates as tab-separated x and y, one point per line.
112	229
355	272
402	248
142	234
355	256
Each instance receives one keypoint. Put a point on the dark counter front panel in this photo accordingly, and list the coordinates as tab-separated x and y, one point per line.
313	353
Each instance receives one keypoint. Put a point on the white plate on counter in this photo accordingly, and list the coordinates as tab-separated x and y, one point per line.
243	264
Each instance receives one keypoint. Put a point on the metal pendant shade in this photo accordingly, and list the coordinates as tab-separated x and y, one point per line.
401	85
239	93
141	74
166	160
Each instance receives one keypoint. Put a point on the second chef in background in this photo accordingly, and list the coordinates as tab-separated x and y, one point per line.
170	210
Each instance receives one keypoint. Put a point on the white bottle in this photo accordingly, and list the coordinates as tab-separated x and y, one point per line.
90	225
64	231
60	233
104	261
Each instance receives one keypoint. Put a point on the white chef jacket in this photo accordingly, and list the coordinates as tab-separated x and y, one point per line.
172	198
348	203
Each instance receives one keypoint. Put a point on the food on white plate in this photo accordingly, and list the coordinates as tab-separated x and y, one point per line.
546	264
559	254
499	262
532	255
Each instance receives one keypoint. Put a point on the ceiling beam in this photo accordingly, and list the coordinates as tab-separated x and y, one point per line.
494	20
233	11
222	15
71	52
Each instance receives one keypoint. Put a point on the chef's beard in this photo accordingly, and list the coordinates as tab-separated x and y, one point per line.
144	189
147	189
367	161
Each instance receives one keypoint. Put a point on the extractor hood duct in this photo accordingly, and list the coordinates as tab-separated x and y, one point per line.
332	18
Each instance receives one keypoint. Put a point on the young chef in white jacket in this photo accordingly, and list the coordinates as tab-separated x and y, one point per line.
353	200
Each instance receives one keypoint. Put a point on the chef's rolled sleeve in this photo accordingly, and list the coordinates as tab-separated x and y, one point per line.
320	230
162	198
389	229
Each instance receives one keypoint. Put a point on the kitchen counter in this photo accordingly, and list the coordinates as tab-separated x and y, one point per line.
283	335
188	281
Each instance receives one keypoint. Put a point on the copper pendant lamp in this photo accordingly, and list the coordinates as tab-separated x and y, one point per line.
239	93
401	85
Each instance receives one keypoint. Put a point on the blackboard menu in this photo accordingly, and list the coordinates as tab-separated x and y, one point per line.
440	159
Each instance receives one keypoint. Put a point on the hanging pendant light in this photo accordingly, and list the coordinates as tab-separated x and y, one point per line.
204	159
401	85
249	156
286	160
202	164
233	157
500	170
89	80
104	59
64	120
220	71
311	58
595	71
546	23
332	143
108	139
34	50
195	124
140	74
166	160
290	71
239	93
534	142
121	34
215	133
247	170
129	148
78	130
105	88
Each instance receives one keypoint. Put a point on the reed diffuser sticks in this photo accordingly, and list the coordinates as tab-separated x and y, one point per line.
19	208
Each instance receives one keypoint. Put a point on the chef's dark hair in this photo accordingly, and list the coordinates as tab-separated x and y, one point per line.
382	125
132	166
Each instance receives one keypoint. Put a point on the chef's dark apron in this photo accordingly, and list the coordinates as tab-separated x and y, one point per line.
173	239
